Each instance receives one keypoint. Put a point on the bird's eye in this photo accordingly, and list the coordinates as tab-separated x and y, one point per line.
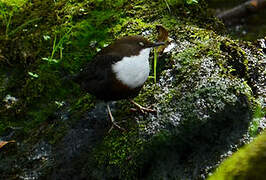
141	44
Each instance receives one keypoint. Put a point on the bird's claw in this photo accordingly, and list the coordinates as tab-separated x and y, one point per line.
115	125
141	108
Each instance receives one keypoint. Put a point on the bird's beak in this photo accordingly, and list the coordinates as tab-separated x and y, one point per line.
157	44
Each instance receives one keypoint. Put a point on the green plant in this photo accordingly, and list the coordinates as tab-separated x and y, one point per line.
192	1
155	65
155	57
167	4
7	9
57	45
254	124
21	27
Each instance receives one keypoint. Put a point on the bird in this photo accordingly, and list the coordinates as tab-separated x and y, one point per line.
118	71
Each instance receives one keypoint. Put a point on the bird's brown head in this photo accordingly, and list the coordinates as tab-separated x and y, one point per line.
132	45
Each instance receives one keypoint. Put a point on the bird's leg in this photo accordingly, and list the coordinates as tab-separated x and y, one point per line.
114	124
141	108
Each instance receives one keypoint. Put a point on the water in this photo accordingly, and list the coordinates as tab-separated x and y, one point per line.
250	27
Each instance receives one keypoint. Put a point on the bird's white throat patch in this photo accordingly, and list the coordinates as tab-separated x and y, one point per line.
133	71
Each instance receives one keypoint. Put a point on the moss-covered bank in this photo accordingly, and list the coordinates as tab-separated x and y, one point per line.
248	163
206	95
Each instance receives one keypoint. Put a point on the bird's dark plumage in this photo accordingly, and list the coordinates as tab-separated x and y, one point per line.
97	76
118	71
98	79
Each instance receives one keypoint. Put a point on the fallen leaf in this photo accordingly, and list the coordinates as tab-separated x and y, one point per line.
162	37
3	143
254	3
163	33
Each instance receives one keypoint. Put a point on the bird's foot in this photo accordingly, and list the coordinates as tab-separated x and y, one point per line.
141	108
114	124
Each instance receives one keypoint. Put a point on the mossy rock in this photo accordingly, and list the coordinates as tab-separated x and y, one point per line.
249	162
204	95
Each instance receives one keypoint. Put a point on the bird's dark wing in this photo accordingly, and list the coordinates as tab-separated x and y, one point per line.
96	75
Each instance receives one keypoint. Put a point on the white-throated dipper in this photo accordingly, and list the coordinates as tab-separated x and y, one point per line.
118	71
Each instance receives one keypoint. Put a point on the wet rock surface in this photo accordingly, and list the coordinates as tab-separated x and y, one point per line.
206	91
202	117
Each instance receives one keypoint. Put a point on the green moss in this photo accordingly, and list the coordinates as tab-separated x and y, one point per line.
55	132
84	103
64	45
7	10
70	33
133	26
147	95
237	63
118	154
258	113
247	163
71	39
